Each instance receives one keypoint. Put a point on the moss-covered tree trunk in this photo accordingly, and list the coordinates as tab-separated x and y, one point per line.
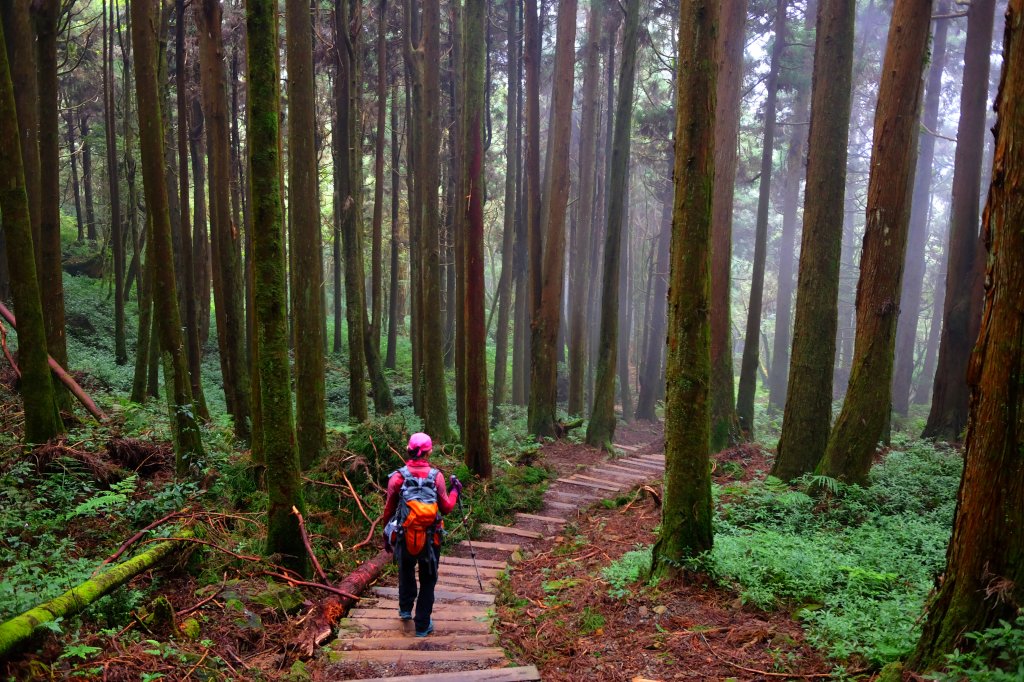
865	411
532	218
226	240
984	578
808	413
377	230
948	415
686	509
306	242
145	328
42	420
283	476
601	428
395	315
187	441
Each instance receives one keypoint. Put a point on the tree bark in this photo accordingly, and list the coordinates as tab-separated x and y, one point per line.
532	39
948	415
865	412
90	212
42	419
984	578
601	428
73	156
922	390
394	314
200	232
376	245
752	339
724	423
808	413
686	509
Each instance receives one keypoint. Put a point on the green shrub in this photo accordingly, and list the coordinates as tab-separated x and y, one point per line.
627	570
997	656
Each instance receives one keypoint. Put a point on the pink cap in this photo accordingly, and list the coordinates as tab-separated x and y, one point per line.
420	445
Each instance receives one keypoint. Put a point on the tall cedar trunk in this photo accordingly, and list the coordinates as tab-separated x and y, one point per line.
90	211
51	274
376	243
271	319
795	159
534	240
846	303
808	412
724	423
542	415
42	419
307	263
191	313
187	440
922	390
145	328
752	338
983	583
73	155
512	133
225	243
948	415
651	377
913	277
520	259
865	412
580	273
200	232
336	250
394	314
114	188
686	510
21	58
477	433
601	428
131	210
412	133
625	322
455	220
424	60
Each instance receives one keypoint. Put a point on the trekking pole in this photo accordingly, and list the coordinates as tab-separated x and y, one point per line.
469	543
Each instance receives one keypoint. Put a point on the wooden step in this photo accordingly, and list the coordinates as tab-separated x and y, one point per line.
499	546
389	627
468	561
526	673
464	613
561	505
653	458
492	654
581	498
442	595
532	534
458	569
627	448
599	480
589	484
538	517
440	608
466	584
642	464
426	643
625	471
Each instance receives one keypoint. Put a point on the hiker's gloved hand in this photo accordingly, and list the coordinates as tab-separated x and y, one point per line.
455	484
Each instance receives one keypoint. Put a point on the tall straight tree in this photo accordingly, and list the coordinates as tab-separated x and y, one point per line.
532	39
307	275
601	428
187	441
394	314
227	274
113	184
477	434
51	273
424	59
961	310
913	277
983	584
752	338
42	420
869	394
686	511
377	234
542	417
808	414
729	47
512	135
580	274
283	475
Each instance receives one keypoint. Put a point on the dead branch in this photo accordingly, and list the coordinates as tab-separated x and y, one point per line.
369	536
766	673
355	496
306	583
138	536
309	547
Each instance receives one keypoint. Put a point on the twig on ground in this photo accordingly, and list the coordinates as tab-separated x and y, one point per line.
138	536
198	663
355	496
325	483
765	672
240	557
200	604
369	536
305	583
309	547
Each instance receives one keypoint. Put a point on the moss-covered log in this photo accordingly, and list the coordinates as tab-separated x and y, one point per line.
77	598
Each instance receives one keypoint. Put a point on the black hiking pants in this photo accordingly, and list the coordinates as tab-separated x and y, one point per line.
427	561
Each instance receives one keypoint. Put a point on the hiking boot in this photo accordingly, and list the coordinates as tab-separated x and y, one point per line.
430	628
405	615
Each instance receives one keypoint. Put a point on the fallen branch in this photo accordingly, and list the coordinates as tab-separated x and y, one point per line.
64	377
355	496
305	583
200	604
309	547
766	673
77	598
240	557
135	538
369	536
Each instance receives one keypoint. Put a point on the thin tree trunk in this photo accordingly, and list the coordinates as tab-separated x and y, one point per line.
394	314
534	240
145	328
376	245
948	415
90	212
200	232
625	322
752	339
865	412
73	156
601	428
808	412
922	390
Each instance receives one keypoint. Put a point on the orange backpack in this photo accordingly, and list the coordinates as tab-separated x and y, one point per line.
417	522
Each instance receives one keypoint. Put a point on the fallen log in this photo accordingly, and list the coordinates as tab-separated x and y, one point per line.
322	617
64	377
20	628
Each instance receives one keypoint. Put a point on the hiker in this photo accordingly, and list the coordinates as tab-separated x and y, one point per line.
417	499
